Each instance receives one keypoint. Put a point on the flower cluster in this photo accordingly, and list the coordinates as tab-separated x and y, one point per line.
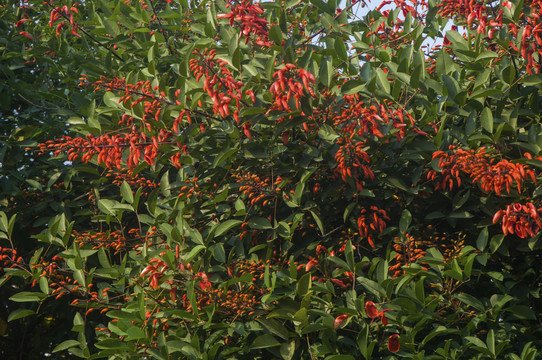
488	19
408	251
411	248
373	313
8	258
352	161
246	15
109	148
63	13
114	239
257	188
371	223
290	83
482	168
523	220
135	181
190	189
219	83
357	117
142	92
156	269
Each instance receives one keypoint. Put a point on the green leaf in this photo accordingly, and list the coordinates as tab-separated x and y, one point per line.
219	254
486	118
225	226
535	79
490	341
135	333
457	40
66	345
326	132
126	192
481	242
20	313
404	222
322	6
352	87
304	284
27	296
318	222
275	34
164	184
106	206
470	300
195	251
382	81
224	155
259	223
326	71
372	286
522	312
475	341
495	242
44	285
275	327
340	49
264	341
3	222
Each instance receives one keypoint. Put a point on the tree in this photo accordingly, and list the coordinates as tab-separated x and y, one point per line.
233	179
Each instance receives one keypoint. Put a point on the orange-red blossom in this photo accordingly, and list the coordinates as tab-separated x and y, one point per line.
373	313
523	220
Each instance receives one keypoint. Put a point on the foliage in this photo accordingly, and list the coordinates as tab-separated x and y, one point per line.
290	180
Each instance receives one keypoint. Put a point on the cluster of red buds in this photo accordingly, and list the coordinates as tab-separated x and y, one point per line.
357	117
8	258
219	83
135	180
290	82
110	148
246	15
156	268
371	223
488	19
352	161
142	92
408	251
523	220
481	167
259	189
60	13
114	240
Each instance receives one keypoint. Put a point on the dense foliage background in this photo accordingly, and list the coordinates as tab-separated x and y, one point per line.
293	180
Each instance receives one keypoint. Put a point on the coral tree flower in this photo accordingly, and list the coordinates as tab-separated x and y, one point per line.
371	310
393	343
338	320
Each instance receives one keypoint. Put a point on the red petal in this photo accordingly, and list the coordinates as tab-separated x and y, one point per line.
393	343
338	320
371	309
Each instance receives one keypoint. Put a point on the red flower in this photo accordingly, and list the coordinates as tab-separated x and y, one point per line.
205	283
338	320
311	264
371	310
26	35
393	343
383	317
